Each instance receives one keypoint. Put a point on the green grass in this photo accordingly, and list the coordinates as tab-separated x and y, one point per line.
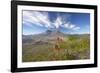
78	44
73	48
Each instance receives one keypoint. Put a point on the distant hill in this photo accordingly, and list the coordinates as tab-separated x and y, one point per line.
56	33
47	35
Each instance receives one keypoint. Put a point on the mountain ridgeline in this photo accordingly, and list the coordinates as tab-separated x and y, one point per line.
48	35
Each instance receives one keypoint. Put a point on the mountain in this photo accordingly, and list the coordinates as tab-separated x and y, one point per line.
43	37
48	36
51	33
27	38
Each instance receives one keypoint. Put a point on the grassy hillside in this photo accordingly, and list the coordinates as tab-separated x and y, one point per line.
73	47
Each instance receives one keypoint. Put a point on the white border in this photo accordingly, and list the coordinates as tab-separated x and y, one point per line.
53	63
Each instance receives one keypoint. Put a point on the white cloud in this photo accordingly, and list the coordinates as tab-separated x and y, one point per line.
76	28
58	22
37	18
42	19
71	26
66	25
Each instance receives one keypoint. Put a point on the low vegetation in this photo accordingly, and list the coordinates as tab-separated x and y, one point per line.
73	47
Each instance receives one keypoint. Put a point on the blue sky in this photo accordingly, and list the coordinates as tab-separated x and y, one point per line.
35	22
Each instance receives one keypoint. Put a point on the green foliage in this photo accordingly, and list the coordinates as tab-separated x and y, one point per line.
72	48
